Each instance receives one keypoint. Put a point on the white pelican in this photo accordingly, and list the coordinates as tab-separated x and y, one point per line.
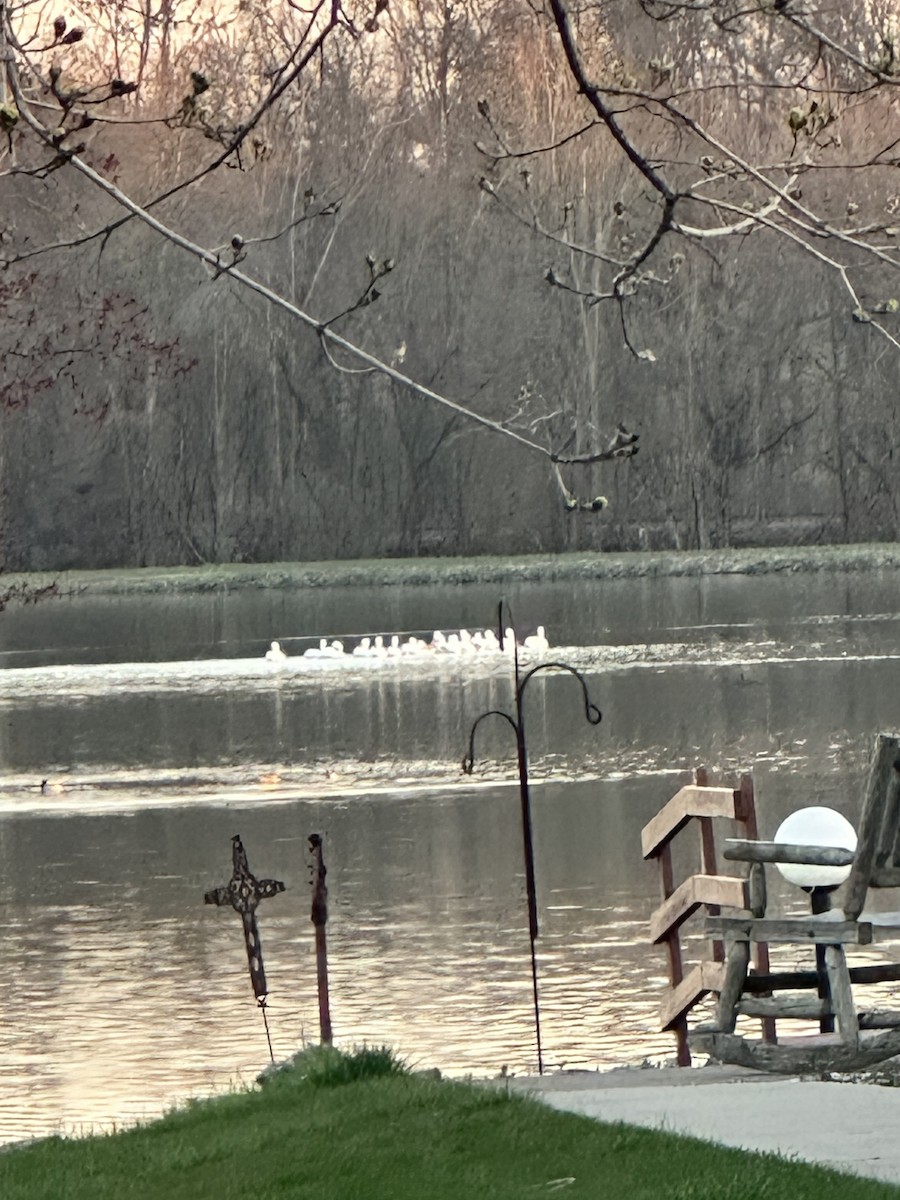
275	654
467	643
537	643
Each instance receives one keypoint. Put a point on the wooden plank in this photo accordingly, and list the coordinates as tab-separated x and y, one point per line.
745	811
673	945
885	877
690	801
884	759
795	1005
708	846
790	929
895	848
760	960
666	872
733	984
890	824
701	979
747	817
801	1055
673	956
725	890
759	983
708	858
756	890
879	1019
737	850
841	996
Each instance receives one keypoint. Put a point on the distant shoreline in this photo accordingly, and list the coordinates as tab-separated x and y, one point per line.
423	572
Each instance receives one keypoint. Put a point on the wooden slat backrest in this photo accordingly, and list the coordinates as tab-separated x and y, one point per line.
889	842
878	821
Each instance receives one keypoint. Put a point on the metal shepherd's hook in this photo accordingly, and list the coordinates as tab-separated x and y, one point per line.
517	723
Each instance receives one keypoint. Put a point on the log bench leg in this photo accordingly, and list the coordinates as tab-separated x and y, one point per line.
823	989
841	994
736	965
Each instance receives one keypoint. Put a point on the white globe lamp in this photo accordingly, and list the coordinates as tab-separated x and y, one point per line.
815	826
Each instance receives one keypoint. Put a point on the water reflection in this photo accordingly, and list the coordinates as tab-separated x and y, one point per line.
714	705
223	623
126	993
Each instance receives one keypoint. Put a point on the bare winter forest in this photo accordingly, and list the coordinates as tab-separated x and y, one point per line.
406	277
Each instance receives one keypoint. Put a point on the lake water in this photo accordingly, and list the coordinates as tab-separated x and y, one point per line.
160	732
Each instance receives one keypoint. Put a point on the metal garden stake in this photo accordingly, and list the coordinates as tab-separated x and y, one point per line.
244	892
517	723
319	917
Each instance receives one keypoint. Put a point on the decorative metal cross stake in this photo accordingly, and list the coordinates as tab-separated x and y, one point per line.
243	892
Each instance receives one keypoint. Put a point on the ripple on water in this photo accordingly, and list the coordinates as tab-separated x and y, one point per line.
125	994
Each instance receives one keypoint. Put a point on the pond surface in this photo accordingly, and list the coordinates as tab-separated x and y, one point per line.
161	731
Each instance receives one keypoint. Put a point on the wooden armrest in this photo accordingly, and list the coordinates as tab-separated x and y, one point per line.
784	852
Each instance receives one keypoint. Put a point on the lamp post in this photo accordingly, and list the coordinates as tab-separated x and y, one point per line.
817	826
517	724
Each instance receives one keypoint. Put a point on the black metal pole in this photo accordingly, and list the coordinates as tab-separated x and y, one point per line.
528	852
820	902
262	1005
593	715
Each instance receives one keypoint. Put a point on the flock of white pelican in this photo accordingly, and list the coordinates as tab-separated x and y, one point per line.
380	646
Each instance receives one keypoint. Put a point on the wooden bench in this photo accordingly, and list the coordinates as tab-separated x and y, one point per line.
848	1039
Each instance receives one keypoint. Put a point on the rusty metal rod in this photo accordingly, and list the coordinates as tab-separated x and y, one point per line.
319	917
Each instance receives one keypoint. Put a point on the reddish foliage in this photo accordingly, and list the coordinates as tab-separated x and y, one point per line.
57	347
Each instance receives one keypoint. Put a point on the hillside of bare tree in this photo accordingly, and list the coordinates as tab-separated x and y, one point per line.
424	191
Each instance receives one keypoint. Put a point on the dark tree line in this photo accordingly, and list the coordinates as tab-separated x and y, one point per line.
384	279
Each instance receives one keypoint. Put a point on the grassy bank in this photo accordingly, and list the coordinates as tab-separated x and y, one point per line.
352	1128
425	572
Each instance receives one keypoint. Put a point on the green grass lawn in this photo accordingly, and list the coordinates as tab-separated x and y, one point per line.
344	1127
